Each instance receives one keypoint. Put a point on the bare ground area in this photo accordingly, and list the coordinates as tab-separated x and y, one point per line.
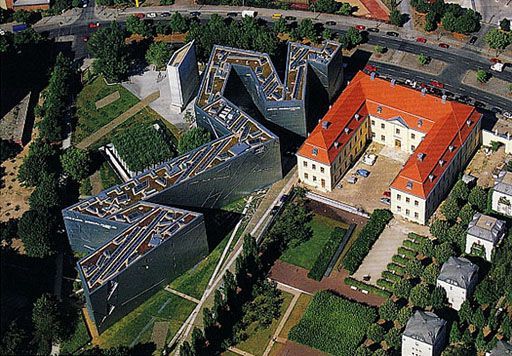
495	85
482	165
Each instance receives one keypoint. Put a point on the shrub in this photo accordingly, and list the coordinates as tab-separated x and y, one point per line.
333	324
406	252
402	261
482	76
402	289
384	283
478	198
399	270
403	316
416	238
388	310
414	268
367	237
466	214
392	277
430	274
423	59
326	255
375	332
368	287
412	245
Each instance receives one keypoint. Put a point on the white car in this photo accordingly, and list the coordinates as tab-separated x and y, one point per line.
370	159
507	114
151	15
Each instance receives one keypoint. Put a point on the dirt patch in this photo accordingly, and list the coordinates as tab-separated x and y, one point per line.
495	85
482	165
410	61
159	334
109	99
336	214
96	184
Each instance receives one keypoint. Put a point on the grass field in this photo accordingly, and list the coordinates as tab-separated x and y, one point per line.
305	254
79	338
258	340
333	324
296	314
138	325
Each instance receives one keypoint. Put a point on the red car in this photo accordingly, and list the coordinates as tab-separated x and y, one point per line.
436	84
421	40
387	194
140	15
360	27
444	45
495	60
370	68
94	24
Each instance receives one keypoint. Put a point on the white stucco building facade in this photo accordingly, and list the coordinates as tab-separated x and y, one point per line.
458	277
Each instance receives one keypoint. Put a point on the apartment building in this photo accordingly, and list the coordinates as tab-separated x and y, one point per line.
484	234
458	277
441	136
502	195
424	335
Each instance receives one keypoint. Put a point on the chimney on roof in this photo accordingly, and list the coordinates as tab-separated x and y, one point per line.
443	99
393	82
372	75
431	177
336	144
346	130
356	116
441	162
469	122
423	91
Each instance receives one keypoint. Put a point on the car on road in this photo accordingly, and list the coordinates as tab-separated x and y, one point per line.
352	180
479	104
195	13
496	110
386	201
276	16
444	45
152	15
370	68
360	27
507	115
421	40
290	18
283	198
165	14
94	24
436	84
232	14
373	29
392	34
363	172
140	15
84	3
472	40
274	210
331	23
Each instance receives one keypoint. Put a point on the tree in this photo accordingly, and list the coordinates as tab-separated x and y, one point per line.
354	37
426	247
186	349
423	59
327	6
379	49
375	332
47	322
41	159
478	198
76	163
450	209
363	351
192	139
482	76
403	316
455	334
402	288
505	25
497	39
8	149
457	236
23	16
460	191
465	312
46	194
439	229
420	296
430	274
37	231
486	292
108	47
345	9
158	54
414	268
265	305
135	25
327	34
466	214
198	342
8	231
422	6
395	17
14	341
280	26
438	298
394	338
478	318
388	310
430	22
307	30
443	252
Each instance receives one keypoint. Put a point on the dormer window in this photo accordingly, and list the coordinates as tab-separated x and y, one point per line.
379	109
431	177
325	124
420	122
421	156
346	130
441	162
356	116
315	151
336	144
451	148
409	185
469	122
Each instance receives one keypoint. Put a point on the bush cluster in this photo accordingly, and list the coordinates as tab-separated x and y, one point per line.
368	287
326	255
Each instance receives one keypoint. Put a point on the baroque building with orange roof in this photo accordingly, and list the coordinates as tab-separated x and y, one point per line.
440	136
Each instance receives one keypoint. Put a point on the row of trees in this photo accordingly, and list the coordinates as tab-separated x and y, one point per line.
453	17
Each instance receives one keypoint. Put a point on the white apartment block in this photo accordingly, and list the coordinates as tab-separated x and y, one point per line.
458	277
502	195
484	232
424	335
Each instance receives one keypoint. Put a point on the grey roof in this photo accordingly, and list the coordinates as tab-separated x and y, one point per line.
503	348
486	227
458	271
424	326
504	184
468	179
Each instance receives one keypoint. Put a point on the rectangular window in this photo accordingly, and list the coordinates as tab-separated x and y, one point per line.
305	164
322	170
416	215
314	178
416	203
313	166
407	199
382	126
382	138
373	134
398	197
407	212
413	136
399	208
413	147
306	176
373	122
397	131
323	183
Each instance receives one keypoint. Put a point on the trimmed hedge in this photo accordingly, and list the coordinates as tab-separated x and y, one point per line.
393	267
402	261
384	283
327	253
407	252
368	287
416	238
366	239
333	324
412	245
391	276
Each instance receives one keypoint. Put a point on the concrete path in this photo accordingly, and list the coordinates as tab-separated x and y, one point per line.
86	142
240	352
183	295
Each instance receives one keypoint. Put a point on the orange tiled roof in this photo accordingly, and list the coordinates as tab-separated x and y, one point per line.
445	126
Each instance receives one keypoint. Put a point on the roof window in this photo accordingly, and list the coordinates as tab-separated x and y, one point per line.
336	144
379	109
346	130
356	116
325	124
441	162
451	148
420	122
315	151
409	185
421	156
431	177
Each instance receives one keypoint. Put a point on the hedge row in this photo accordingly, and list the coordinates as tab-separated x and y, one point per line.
393	267
384	283
412	245
327	253
366	239
406	252
391	276
368	287
416	238
402	261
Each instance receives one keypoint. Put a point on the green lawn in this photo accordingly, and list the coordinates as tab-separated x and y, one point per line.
91	119
79	338
163	306
305	254
333	324
258	340
194	281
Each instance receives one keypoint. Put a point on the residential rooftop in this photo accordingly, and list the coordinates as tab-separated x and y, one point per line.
504	184
503	348
424	327
458	271
486	227
446	125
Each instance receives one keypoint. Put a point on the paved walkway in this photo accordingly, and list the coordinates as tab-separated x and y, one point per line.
86	142
183	295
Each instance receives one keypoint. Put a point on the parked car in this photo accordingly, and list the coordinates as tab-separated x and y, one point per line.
494	60
473	39
331	23
290	18
386	201
352	179
276	16
94	24
370	68
496	110
165	14
152	15
274	210
444	45
283	198
360	27
373	29
232	14
363	172
507	115
421	40
387	194
436	84
195	13
140	15
392	34
370	159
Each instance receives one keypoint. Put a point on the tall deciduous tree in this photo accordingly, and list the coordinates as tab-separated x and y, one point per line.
192	139
478	198
76	163
178	23
158	54
137	26
41	158
420	296
47	322
37	230
497	39
46	195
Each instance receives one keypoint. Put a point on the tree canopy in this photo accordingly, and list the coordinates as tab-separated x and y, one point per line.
46	194
192	139
76	163
158	54
497	39
47	322
37	230
41	158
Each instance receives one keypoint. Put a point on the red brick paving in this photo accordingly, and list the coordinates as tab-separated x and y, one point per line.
293	349
297	277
